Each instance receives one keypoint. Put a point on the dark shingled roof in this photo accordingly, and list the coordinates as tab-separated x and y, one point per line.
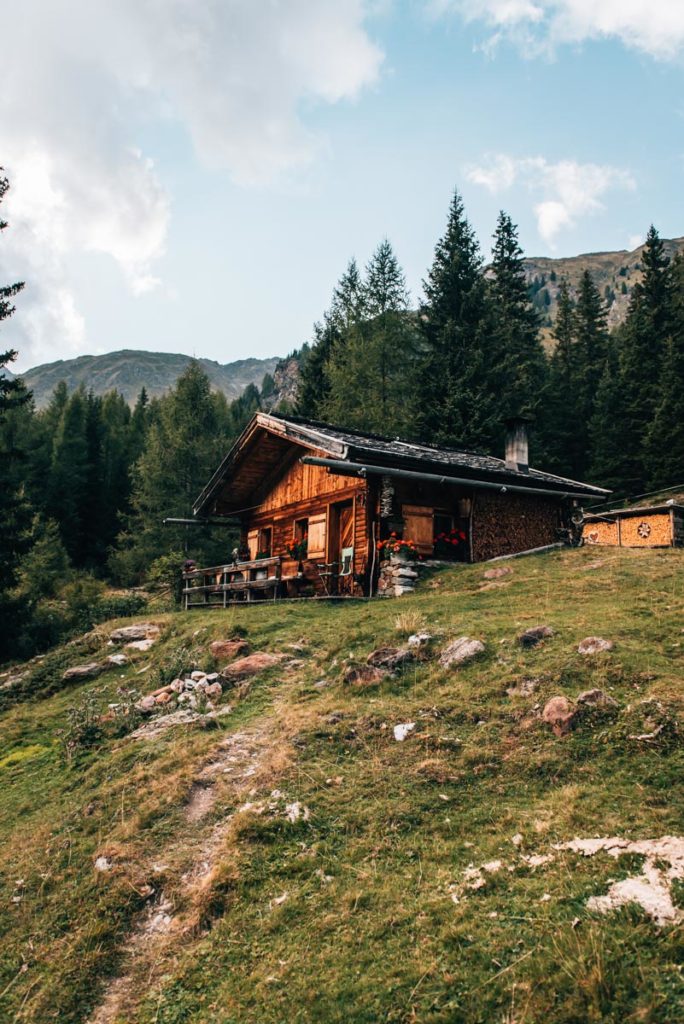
355	447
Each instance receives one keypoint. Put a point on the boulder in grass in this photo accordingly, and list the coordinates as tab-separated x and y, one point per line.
89	671
365	675
389	657
560	714
597	699
142	645
147	703
495	574
213	691
458	652
251	665
226	650
139	631
418	641
116	659
533	636
594	645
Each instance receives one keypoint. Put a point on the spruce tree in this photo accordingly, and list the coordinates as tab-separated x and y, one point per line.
665	438
610	452
458	381
559	439
369	369
14	508
346	311
591	341
646	331
516	326
67	484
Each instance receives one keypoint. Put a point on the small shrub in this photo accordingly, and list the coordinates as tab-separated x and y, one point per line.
84	727
407	623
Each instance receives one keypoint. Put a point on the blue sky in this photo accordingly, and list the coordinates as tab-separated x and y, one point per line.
198	183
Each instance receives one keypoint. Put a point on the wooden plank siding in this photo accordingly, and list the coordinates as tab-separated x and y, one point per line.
310	492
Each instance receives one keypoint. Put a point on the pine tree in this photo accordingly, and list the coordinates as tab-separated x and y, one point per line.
369	369
562	451
609	447
346	310
516	326
646	331
458	379
665	438
69	474
591	340
183	446
14	508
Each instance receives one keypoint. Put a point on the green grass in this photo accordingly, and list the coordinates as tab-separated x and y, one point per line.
369	931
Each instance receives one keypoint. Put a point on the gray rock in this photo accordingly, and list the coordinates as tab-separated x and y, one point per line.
142	645
89	671
116	659
389	657
139	631
460	651
495	574
596	699
594	645
418	640
535	635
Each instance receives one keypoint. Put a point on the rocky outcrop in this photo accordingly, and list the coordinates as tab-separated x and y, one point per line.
251	665
460	651
225	650
535	635
78	672
138	631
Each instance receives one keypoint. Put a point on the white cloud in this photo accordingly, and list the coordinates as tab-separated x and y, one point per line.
565	191
655	27
82	81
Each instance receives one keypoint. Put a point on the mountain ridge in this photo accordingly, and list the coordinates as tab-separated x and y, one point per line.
128	370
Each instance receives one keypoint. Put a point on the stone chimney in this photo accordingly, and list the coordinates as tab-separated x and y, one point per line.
517	455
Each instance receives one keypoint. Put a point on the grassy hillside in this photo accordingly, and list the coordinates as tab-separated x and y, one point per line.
129	370
291	861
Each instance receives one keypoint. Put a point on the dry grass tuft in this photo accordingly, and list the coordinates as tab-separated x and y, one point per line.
409	622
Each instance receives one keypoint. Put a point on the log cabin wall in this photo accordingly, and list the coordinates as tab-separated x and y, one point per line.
504	524
311	493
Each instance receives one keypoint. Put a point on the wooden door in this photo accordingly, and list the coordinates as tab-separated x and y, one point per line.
419	527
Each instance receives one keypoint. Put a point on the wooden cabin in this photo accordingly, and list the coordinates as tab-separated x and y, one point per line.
648	526
314	501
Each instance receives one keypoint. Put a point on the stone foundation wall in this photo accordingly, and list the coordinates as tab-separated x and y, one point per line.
397	578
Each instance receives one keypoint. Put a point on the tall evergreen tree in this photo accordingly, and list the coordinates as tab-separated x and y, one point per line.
14	508
346	310
183	446
610	448
458	379
369	368
67	485
591	341
561	442
516	326
665	438
647	329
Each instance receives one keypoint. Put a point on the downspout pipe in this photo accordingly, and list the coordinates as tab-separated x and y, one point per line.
360	469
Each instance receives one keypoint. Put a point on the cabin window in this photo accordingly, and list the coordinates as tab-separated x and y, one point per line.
298	549
450	537
265	545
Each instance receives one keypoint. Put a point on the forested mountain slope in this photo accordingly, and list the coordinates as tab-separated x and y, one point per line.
130	370
337	845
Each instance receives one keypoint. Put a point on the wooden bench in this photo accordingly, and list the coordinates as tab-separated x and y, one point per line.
220	585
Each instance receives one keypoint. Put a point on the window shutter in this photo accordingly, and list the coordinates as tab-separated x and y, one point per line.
419	527
253	543
317	536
